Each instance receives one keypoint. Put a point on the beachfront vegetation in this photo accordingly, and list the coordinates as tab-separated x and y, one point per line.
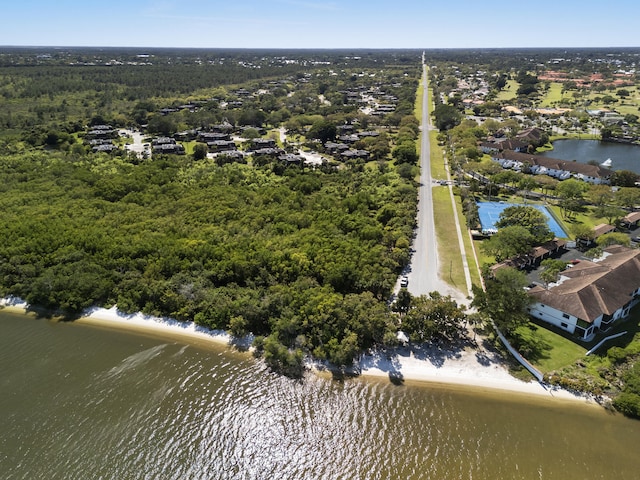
428	317
504	300
302	256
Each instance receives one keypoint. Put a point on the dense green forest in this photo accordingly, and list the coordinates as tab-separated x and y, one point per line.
309	255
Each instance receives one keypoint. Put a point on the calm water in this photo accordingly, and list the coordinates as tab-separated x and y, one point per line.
623	157
79	402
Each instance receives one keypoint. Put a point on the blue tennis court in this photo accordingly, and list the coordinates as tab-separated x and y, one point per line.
489	213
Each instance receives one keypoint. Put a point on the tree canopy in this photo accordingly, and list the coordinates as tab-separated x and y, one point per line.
505	300
509	242
300	257
528	217
446	117
431	316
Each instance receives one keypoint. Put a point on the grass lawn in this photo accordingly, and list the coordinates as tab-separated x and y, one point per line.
189	146
448	247
431	107
275	135
562	351
587	217
468	245
553	95
417	111
558	351
483	258
438	171
509	91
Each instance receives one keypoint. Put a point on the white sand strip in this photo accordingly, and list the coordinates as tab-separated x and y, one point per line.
466	368
113	318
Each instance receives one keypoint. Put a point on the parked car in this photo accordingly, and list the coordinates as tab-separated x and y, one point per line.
636	239
404	281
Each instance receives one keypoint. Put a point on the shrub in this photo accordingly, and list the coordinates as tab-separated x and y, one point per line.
628	404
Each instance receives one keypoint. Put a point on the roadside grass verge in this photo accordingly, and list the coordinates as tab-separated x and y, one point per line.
438	171
417	111
451	270
447	235
483	258
431	107
468	244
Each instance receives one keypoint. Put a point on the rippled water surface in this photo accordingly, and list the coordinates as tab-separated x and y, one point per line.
80	402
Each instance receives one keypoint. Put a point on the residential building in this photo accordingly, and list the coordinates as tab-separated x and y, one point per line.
631	220
591	295
560	169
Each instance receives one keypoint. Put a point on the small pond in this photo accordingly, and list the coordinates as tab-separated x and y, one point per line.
622	156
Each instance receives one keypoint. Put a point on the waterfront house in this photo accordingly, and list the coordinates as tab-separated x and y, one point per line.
500	145
560	169
531	136
591	295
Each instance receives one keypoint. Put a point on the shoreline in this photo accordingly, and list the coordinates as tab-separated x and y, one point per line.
469	367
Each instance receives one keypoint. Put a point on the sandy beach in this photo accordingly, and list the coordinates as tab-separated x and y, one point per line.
464	367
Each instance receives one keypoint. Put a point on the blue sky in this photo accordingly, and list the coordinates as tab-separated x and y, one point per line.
322	24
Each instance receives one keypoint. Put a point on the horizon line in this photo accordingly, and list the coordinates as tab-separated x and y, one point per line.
329	48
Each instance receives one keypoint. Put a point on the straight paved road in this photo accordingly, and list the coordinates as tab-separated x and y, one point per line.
425	268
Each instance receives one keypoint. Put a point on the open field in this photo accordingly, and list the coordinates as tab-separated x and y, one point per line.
509	91
553	95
